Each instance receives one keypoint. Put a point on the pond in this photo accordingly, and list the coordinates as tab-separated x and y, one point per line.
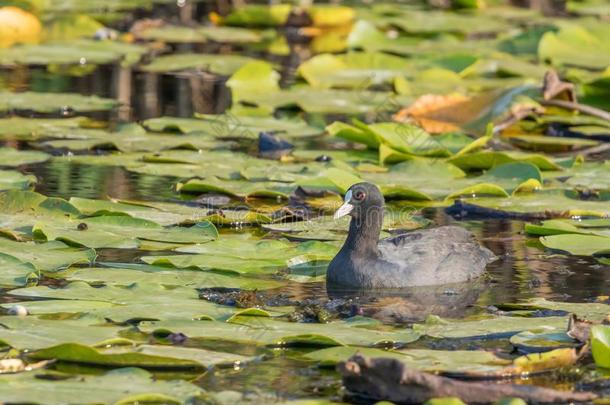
171	170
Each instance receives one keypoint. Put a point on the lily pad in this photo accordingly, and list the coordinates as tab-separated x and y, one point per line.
116	386
75	52
119	231
600	345
456	362
54	102
245	256
232	126
10	179
266	331
224	65
352	70
126	274
50	256
33	333
15	273
581	245
542	340
552	202
31	128
76	353
490	328
12	157
577	46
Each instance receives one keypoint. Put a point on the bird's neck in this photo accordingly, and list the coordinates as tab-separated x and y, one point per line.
364	234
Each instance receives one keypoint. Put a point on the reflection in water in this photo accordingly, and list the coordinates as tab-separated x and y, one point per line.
415	304
64	179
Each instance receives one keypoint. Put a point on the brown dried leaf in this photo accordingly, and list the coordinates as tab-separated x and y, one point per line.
554	89
436	113
579	328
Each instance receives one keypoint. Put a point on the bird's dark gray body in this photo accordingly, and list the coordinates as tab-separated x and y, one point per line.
443	255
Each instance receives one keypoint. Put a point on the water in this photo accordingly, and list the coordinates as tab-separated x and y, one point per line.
522	271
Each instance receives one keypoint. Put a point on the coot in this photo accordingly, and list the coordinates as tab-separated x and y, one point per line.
442	255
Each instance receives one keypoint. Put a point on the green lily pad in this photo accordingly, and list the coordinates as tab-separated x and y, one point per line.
581	245
233	126
542	340
232	35
550	144
424	180
32	333
236	188
31	128
245	255
486	160
168	213
134	302
590	310
558	227
49	256
126	274
600	345
265	331
594	176
403	138
54	102
552	202
352	70
252	79
224	65
120	231
490	328
10	179
75	52
76	353
172	34
13	157
15	273
577	46
324	101
126	385
453	362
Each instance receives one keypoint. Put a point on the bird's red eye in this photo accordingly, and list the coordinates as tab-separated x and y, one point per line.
359	195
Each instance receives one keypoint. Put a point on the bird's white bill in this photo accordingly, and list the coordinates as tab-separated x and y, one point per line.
343	210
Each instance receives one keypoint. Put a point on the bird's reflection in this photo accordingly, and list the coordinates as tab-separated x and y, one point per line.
412	304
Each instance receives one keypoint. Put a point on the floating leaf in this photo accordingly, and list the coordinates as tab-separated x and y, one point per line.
10	179
53	102
490	328
119	231
46	256
600	345
117	386
79	52
582	245
76	353
575	45
32	333
13	157
542	340
252	79
352	70
224	65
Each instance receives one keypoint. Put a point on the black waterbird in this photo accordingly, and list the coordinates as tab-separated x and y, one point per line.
442	255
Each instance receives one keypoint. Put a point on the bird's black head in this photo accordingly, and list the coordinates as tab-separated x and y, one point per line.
362	201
